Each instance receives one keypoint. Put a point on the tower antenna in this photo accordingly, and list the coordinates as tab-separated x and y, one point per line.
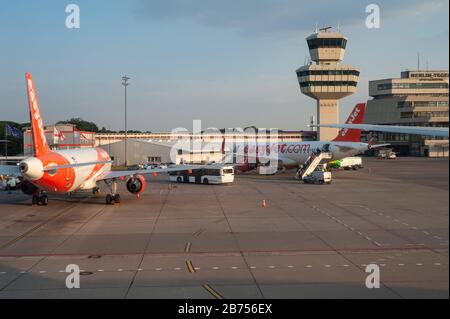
418	61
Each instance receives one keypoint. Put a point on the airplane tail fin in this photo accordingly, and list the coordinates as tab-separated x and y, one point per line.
355	117
37	126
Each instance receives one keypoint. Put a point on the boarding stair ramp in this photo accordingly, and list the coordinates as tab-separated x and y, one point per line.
313	161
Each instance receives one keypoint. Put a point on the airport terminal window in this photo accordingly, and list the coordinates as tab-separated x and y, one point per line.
406	115
384	86
327	43
430	114
431	104
328	83
419	85
402	104
328	72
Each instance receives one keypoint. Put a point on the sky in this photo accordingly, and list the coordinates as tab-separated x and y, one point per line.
228	63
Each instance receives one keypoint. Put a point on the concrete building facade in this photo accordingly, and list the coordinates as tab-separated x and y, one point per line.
60	136
417	98
327	81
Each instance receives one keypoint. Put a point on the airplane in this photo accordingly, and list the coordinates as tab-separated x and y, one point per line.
416	130
294	154
66	171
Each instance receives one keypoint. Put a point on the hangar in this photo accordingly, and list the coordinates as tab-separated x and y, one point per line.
143	152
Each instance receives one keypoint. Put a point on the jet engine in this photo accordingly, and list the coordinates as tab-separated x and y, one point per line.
28	188
136	185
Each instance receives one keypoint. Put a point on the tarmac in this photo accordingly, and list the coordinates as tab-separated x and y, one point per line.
260	237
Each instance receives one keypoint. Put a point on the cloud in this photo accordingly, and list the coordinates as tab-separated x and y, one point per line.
257	17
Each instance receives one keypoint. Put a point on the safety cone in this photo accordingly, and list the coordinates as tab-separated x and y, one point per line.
263	203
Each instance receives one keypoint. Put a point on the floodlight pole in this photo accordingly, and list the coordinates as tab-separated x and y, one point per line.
125	84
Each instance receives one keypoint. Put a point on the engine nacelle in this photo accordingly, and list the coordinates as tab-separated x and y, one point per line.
136	185
28	188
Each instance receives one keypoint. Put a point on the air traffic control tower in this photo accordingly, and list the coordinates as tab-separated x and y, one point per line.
327	81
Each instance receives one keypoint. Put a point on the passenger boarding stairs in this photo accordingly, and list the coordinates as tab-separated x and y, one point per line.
313	161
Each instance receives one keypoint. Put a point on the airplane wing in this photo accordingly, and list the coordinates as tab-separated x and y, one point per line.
10	170
418	130
154	171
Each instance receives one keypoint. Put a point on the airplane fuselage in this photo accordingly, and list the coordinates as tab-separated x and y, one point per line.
65	180
292	154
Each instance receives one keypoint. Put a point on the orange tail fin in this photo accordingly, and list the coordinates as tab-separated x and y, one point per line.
355	117
37	126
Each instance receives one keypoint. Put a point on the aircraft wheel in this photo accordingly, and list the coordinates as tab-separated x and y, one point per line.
43	200
34	200
109	199
117	198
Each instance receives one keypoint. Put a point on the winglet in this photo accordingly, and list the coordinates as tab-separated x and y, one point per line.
39	140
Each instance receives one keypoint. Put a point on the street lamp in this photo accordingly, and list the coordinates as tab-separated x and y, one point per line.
125	84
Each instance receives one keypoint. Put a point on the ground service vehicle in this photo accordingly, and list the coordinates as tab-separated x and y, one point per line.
215	174
353	162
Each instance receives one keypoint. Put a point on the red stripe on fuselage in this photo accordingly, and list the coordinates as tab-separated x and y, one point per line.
101	157
60	181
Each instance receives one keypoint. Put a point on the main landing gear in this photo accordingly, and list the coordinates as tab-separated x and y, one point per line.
113	197
39	198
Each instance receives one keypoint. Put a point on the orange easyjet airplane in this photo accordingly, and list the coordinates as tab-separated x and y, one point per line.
65	171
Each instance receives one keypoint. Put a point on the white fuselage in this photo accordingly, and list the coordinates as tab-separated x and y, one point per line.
296	153
68	179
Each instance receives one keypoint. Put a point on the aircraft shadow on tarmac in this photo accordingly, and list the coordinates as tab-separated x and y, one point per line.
19	199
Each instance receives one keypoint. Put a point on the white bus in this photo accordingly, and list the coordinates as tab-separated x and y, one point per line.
205	175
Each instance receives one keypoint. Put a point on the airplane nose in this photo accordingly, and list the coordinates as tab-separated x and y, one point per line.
31	168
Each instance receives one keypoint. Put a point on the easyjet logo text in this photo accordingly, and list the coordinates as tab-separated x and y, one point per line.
351	119
36	116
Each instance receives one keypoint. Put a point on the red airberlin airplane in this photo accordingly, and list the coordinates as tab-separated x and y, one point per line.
66	171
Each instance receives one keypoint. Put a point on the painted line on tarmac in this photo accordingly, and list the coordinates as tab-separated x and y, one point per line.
212	291
187	248
190	266
192	269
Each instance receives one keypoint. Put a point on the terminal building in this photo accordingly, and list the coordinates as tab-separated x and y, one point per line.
417	98
327	81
